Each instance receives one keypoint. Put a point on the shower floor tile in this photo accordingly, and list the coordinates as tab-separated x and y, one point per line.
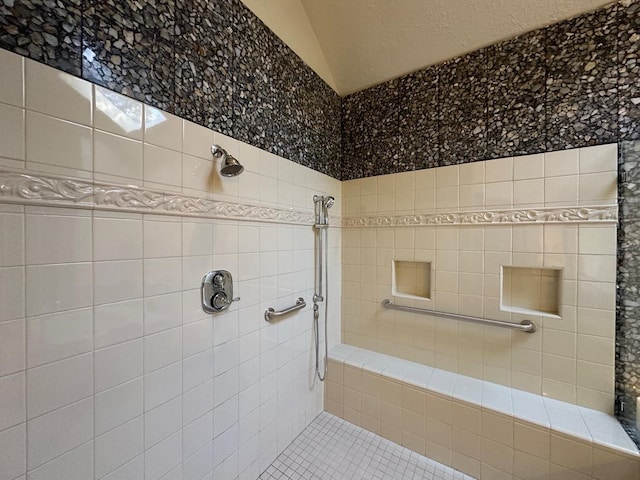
333	449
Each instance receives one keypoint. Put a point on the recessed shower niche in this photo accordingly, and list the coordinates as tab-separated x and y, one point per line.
533	291
411	280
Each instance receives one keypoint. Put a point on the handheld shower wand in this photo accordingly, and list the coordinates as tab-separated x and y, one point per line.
322	205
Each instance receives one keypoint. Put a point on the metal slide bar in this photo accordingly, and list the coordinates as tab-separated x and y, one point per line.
270	312
526	326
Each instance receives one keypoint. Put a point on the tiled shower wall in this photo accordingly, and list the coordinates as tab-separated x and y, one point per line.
572	84
213	63
553	210
111	211
569	85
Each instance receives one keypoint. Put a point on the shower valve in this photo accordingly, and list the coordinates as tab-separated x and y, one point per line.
217	291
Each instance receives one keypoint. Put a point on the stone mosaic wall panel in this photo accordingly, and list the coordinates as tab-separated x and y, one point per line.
128	47
46	31
214	63
203	60
572	84
629	71
462	95
279	104
581	94
419	120
628	280
516	96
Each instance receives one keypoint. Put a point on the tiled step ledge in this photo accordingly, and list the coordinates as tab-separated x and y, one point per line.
523	435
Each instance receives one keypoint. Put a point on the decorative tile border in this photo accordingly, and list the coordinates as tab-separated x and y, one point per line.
36	189
601	214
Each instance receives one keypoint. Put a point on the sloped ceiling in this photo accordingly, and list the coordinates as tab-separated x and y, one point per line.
354	44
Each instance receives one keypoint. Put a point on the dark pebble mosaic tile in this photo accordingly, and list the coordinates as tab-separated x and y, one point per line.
581	88
583	49
419	105
352	161
130	49
354	112
516	132
629	71
254	95
323	133
371	113
421	148
292	85
462	88
463	142
516	73
579	121
44	30
203	53
386	156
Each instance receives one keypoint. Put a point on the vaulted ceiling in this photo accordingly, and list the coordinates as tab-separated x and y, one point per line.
354	44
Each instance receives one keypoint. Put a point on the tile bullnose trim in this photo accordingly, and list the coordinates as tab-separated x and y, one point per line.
30	188
596	213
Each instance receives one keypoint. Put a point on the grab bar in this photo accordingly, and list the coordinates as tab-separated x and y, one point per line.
526	326
270	312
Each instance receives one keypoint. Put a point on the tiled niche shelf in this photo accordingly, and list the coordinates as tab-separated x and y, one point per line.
533	291
411	280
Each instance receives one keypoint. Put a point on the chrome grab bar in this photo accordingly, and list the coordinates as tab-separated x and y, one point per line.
270	312
526	326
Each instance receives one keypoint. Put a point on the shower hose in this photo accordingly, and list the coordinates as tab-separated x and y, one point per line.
316	309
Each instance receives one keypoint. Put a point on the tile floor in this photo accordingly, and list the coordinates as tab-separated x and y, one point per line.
331	448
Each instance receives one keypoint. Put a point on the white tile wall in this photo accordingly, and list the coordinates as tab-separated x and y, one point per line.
466	273
109	368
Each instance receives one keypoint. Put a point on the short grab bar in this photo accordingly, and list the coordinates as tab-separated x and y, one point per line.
270	312
526	326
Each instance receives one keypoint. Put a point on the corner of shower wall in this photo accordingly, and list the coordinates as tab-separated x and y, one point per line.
484	106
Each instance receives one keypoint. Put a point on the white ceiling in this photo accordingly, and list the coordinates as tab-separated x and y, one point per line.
354	44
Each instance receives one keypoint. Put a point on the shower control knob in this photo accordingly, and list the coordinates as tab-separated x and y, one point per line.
219	301
218	280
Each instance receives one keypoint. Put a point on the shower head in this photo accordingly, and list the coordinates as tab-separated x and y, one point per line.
230	166
322	204
329	201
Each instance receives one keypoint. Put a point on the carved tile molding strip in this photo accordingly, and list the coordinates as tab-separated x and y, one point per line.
600	214
48	190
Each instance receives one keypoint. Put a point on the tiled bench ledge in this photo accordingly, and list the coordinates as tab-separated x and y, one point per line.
488	431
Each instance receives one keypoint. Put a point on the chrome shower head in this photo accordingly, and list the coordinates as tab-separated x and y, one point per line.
322	204
230	166
329	201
